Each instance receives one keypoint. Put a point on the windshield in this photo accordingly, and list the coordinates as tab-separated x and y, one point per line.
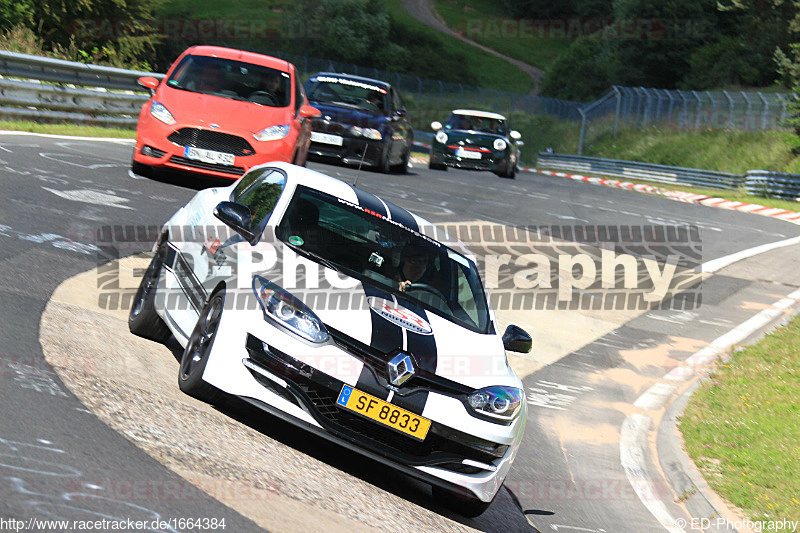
385	254
474	123
332	90
232	79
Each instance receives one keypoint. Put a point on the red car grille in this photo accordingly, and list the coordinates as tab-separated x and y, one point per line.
212	140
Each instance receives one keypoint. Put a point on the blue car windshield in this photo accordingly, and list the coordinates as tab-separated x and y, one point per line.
352	93
385	254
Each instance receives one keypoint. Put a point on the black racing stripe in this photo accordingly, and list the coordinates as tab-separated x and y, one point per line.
423	349
386	336
370	201
402	216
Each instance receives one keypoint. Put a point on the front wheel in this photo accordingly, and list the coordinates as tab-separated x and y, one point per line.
402	168
143	320
198	349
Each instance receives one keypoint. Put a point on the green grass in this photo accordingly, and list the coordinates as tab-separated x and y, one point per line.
67	129
723	150
483	22
244	10
489	70
741	427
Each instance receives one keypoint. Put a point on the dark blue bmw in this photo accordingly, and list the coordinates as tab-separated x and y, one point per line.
363	121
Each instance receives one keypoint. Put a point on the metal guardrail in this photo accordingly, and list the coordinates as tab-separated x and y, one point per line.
47	91
766	183
643	171
757	182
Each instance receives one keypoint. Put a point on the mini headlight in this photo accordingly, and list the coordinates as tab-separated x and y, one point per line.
500	145
288	311
159	111
441	137
497	402
273	133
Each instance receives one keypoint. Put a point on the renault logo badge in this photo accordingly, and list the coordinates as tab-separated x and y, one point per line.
401	368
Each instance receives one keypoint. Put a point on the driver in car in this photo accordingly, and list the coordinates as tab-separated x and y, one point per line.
413	265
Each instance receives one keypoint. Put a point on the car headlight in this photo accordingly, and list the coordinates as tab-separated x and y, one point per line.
497	401
441	137
369	133
500	145
288	311
159	111
273	133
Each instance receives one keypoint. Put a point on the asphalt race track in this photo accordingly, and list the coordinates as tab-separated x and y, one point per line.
63	458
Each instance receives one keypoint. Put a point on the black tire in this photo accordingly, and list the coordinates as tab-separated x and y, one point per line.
140	169
436	166
195	355
143	320
509	173
467	506
383	164
402	168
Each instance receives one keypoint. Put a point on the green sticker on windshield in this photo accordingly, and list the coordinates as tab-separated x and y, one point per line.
297	241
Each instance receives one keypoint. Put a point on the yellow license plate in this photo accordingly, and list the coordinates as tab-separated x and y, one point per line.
383	412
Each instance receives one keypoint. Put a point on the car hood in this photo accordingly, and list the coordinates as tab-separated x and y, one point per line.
475	138
350	115
389	325
202	110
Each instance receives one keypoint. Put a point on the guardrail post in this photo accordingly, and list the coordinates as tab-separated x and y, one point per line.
583	130
747	113
766	110
730	108
419	88
697	113
618	96
713	117
671	105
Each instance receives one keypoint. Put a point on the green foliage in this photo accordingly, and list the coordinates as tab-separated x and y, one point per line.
114	32
344	30
582	73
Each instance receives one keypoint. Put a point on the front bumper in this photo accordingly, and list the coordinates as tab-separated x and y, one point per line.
159	146
490	160
353	151
447	457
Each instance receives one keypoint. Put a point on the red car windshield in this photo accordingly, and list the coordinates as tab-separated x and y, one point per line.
236	80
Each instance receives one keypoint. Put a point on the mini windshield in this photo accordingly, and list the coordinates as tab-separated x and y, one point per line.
386	254
476	123
333	90
236	80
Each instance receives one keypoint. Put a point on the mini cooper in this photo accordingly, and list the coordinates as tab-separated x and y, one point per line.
475	140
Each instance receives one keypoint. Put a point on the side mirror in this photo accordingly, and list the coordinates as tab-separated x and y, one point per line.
148	82
237	217
519	143
516	339
307	111
436	125
515	135
400	112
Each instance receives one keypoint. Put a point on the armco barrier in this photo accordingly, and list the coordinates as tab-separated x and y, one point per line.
47	91
640	171
766	183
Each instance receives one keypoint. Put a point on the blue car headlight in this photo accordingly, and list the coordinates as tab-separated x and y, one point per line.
497	401
369	133
288	311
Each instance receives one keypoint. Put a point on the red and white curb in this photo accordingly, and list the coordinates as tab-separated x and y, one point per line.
681	196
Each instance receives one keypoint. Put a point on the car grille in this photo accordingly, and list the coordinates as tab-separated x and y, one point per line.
323	126
318	392
212	140
236	171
